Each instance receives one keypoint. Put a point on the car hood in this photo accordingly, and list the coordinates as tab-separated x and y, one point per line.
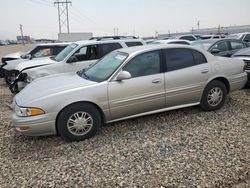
34	63
11	65
16	55
43	87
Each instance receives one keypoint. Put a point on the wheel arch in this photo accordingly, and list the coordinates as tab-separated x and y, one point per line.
81	102
223	80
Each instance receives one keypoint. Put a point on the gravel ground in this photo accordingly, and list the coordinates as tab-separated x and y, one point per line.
180	148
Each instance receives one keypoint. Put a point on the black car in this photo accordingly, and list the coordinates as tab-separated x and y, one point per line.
221	47
244	54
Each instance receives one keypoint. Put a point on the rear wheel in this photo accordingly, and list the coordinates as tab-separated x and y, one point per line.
10	77
79	122
214	96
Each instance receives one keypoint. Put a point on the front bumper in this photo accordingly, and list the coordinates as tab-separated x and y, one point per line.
39	125
19	83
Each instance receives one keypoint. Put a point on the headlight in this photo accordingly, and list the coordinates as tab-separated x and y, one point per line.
25	112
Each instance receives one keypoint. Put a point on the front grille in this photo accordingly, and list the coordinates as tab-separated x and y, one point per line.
247	63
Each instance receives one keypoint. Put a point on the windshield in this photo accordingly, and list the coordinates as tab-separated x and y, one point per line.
105	67
202	44
65	52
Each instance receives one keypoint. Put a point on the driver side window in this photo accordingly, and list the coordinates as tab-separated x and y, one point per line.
144	64
86	53
222	46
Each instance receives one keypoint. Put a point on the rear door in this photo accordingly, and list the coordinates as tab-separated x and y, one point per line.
186	75
143	92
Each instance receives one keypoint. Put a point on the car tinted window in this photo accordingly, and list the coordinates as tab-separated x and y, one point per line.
222	46
178	59
247	38
109	47
190	38
129	44
199	58
144	64
236	45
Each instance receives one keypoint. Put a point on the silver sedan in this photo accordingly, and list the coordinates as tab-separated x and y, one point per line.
126	83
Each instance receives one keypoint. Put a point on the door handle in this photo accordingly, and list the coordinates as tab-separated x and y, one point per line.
204	71
156	81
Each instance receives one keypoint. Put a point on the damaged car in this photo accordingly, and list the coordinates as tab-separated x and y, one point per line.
76	56
11	61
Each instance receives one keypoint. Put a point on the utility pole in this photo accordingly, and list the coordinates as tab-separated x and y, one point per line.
63	14
198	24
116	31
21	29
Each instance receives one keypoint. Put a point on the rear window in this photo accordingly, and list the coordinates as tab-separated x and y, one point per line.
129	44
199	58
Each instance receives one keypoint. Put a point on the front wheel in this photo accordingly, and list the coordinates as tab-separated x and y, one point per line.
214	96
79	122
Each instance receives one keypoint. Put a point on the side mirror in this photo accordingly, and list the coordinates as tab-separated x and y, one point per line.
123	75
215	51
246	40
72	59
29	56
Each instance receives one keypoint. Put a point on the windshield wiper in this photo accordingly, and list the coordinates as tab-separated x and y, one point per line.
82	73
85	76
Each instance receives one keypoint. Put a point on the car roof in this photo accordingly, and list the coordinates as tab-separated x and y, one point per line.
172	40
54	44
139	49
216	40
86	42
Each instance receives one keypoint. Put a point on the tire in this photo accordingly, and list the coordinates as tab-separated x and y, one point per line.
73	128
214	96
10	77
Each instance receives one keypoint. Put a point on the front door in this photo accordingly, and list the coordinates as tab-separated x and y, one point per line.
82	58
143	92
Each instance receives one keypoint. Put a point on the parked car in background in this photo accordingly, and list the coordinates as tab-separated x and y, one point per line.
77	56
212	36
244	54
241	36
149	41
3	43
221	47
40	50
11	61
185	37
126	83
171	41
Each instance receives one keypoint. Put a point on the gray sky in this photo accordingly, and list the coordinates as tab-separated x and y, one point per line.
40	18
